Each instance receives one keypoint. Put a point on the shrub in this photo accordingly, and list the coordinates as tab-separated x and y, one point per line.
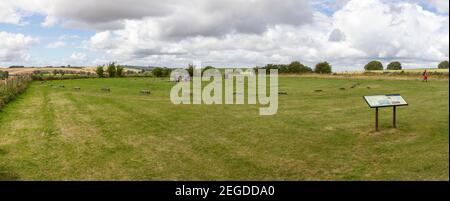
166	72
374	65
119	71
100	72
395	65
160	72
12	87
283	68
293	67
4	75
157	72
323	67
111	69
443	65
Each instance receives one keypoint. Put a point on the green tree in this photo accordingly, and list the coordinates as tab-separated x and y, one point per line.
323	67
374	65
297	67
100	72
166	72
294	67
119	71
4	75
282	68
157	72
111	69
443	65
395	65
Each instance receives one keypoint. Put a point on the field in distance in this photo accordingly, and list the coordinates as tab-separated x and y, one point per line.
53	132
28	70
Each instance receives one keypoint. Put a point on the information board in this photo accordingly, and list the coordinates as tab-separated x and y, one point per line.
388	100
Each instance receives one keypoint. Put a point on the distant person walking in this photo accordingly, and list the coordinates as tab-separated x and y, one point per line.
425	76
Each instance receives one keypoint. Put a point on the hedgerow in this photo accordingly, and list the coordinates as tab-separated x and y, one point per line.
12	86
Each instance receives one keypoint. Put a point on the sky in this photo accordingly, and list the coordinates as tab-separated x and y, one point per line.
224	33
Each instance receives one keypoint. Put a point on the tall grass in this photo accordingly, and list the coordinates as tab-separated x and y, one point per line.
12	86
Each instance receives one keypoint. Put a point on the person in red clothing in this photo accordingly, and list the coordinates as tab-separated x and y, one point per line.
425	75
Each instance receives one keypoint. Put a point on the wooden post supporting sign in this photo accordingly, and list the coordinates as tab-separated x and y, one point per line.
390	100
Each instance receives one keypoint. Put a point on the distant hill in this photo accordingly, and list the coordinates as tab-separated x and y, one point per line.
22	70
146	68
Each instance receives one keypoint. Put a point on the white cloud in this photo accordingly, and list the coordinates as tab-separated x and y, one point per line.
78	56
348	33
10	13
13	47
57	44
440	5
68	37
98	13
204	17
63	41
280	43
49	21
358	32
385	31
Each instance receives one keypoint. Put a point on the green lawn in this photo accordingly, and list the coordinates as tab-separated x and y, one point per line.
53	133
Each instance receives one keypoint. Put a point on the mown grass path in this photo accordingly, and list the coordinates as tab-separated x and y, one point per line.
54	133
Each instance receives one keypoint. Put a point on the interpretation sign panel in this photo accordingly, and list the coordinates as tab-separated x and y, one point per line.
388	100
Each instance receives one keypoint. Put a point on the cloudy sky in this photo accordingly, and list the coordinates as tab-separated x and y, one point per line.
223	33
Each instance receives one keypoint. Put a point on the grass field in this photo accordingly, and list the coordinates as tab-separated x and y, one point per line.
53	133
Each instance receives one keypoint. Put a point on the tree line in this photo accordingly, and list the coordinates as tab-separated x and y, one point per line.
295	67
112	70
396	65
